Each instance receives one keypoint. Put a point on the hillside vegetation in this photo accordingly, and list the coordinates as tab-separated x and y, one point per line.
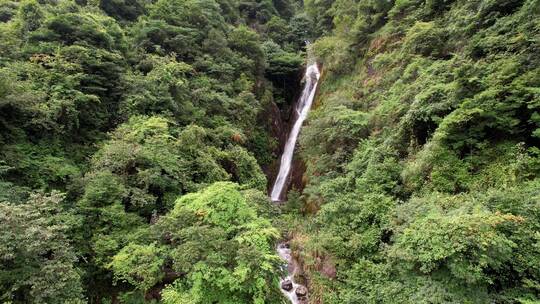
111	111
137	138
423	153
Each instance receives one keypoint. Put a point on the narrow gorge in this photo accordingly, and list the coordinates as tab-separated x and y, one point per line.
160	151
296	293
303	105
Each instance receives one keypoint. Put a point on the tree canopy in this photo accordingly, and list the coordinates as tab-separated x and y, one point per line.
139	138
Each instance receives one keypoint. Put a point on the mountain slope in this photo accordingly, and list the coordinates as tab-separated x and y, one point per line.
423	153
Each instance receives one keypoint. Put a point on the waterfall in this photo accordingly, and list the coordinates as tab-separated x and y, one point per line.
302	108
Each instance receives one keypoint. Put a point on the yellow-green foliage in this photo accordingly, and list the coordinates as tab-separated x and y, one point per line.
218	245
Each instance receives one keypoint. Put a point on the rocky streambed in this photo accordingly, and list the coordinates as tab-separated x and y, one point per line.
296	293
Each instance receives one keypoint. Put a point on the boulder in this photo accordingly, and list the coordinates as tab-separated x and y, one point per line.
329	269
301	291
287	285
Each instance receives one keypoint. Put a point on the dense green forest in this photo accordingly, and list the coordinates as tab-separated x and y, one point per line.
138	140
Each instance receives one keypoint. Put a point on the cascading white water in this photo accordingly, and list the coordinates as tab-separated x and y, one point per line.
284	253
302	108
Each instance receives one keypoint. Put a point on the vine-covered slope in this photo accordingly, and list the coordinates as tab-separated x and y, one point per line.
423	153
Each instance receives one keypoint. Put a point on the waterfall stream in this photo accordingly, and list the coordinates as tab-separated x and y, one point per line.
287	284
302	108
296	293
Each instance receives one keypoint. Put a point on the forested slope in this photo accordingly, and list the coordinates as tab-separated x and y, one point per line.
111	111
423	153
137	138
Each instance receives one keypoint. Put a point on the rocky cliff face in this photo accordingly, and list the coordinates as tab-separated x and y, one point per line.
279	118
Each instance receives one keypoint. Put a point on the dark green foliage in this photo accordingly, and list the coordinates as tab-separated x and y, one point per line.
282	65
8	9
125	106
81	28
423	147
246	42
127	10
425	39
31	16
422	150
153	166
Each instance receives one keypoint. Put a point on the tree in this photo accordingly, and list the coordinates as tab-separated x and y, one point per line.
31	16
140	265
247	42
213	246
36	255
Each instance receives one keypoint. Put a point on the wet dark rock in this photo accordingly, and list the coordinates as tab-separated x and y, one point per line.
287	285
301	291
